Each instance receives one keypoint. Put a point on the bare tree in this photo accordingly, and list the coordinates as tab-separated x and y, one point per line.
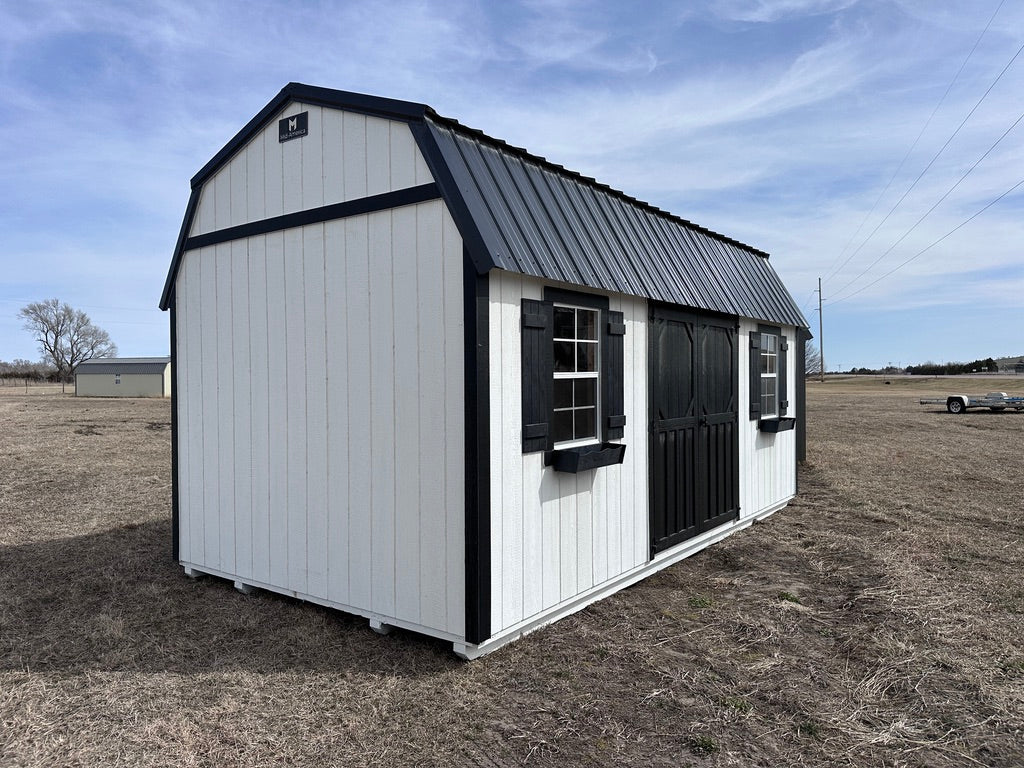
66	336
812	358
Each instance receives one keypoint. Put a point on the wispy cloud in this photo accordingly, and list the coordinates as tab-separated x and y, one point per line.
778	122
767	11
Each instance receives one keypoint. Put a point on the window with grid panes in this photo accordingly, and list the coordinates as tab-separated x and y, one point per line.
769	358
576	373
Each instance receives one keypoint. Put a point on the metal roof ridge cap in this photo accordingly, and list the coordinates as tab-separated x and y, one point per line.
333	97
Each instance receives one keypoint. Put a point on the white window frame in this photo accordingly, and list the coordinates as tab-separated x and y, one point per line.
573	375
769	357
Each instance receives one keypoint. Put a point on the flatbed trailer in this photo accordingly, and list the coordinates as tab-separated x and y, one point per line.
995	401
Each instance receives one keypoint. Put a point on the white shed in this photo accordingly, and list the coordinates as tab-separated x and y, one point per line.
431	379
124	377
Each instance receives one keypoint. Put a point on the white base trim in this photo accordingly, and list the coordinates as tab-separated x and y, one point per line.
663	560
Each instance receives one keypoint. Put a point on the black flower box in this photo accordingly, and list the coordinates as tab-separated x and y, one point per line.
585	457
776	425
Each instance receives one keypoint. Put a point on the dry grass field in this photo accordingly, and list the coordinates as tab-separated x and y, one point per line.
877	621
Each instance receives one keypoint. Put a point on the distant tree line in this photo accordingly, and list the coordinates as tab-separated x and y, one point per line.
889	370
26	369
988	365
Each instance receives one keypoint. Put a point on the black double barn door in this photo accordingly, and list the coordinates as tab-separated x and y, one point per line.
694	445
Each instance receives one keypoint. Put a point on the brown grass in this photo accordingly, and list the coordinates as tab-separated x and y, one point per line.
875	622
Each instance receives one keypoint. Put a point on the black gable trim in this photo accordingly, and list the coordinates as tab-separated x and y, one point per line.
362	205
315	95
179	249
426	139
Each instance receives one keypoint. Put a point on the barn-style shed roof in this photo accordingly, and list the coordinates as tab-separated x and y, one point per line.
126	365
519	212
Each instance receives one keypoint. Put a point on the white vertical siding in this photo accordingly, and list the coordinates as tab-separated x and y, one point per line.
259	407
315	345
452	455
182	309
767	460
242	403
293	357
357	306
345	156
383	437
555	535
405	433
224	461
321	413
279	380
208	429
338	459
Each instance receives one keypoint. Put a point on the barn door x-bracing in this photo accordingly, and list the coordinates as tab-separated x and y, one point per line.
694	444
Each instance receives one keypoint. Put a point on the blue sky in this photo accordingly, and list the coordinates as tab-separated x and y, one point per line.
786	124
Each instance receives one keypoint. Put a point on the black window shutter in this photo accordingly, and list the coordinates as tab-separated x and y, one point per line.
783	376
613	373
755	374
538	374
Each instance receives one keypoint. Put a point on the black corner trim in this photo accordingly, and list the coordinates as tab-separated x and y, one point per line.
363	205
477	453
175	485
802	336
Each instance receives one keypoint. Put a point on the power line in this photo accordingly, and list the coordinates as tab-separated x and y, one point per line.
934	206
810	298
936	157
927	122
929	247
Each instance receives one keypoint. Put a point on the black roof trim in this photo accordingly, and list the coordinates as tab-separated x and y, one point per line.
179	248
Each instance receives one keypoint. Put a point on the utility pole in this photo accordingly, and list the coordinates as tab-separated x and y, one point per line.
821	334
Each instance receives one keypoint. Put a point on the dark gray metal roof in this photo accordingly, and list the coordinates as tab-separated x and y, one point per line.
519	212
539	219
126	365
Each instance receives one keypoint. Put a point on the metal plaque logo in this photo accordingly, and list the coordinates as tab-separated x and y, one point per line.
294	127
